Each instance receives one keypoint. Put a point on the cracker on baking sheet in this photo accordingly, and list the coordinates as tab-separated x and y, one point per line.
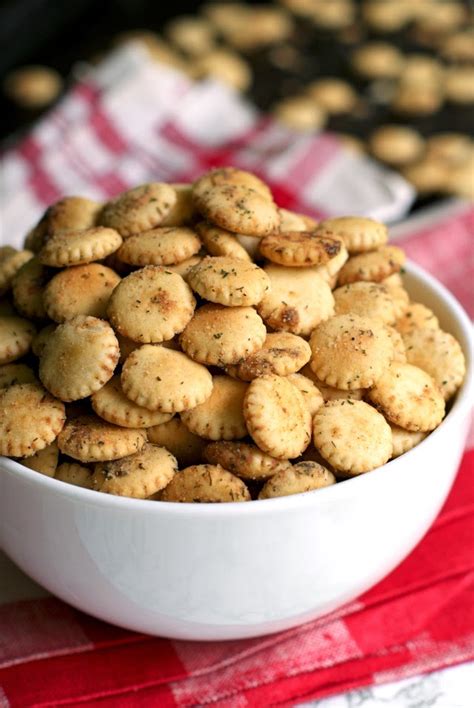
163	245
181	442
229	281
296	479
223	335
408	397
221	416
350	351
277	417
151	305
30	419
440	355
205	483
165	380
139	209
88	438
244	460
80	290
352	436
79	357
111	404
139	475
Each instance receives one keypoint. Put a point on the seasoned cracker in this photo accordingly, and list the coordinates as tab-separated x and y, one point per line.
70	214
416	316
74	473
440	355
408	397
313	397
220	417
68	248
397	292
139	475
40	339
330	393
88	438
139	209
164	380
398	344
404	440
244	460
365	299
163	245
111	404
44	461
330	270
350	351
151	305
223	335
79	358
181	442
292	221
297	479
250	244
223	176
297	301
352	436
359	234
282	353
205	484
184	268
229	281
28	288
11	261
299	248
16	335
11	374
182	212
239	209
80	290
373	265
30	419
219	242
277	417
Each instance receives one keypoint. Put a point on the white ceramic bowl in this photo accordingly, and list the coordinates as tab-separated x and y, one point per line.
228	571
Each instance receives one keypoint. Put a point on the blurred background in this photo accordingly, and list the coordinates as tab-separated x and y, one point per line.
393	78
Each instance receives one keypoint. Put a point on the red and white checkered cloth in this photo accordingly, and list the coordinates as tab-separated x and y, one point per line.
419	618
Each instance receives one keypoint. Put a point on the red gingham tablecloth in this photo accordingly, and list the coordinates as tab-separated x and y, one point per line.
421	617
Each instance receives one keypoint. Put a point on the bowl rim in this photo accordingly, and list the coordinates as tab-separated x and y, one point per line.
295	501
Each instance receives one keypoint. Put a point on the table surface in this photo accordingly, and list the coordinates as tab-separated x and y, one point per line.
449	688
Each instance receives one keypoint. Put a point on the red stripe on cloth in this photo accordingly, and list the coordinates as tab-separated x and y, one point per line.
107	132
43	186
34	630
103	673
446	249
29	149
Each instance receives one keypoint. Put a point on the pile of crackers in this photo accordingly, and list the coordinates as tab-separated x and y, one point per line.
197	343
